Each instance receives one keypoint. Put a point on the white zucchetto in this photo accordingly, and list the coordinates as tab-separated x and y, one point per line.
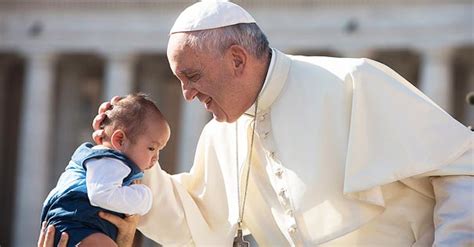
210	14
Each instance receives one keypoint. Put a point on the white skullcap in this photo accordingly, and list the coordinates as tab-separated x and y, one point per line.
210	14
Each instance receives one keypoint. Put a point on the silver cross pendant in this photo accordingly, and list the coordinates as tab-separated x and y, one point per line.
239	240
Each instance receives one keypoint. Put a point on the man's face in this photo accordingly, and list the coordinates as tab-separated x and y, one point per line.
207	76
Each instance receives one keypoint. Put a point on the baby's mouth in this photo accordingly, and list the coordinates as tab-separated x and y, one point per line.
150	166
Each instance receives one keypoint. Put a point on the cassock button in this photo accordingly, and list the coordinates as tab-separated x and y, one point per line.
289	212
292	228
265	134
282	193
279	172
272	154
262	117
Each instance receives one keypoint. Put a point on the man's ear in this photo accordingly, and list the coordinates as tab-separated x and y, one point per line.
118	139
239	58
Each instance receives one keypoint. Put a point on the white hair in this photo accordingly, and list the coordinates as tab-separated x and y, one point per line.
247	35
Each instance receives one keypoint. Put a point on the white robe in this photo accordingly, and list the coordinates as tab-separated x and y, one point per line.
342	156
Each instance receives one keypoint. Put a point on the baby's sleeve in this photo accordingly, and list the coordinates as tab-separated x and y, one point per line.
104	188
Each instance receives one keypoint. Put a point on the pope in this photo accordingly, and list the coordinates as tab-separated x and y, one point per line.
306	151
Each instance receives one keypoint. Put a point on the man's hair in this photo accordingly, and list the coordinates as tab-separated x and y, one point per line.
129	114
247	35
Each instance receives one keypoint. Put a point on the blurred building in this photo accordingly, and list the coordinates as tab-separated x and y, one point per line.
59	59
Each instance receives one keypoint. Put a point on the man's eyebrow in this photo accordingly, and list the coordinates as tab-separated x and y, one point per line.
187	71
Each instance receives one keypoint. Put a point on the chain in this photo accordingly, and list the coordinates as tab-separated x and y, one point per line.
244	199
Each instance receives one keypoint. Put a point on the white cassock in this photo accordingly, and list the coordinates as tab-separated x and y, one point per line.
346	153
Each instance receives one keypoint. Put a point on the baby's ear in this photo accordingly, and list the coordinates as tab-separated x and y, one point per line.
118	139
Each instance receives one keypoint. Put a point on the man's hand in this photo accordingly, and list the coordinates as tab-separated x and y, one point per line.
137	181
46	237
126	227
98	132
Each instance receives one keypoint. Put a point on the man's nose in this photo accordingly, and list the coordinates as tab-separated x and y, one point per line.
189	93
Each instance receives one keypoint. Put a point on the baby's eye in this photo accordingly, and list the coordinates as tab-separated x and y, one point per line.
152	149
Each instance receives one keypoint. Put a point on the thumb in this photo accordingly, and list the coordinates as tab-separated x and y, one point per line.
97	136
117	221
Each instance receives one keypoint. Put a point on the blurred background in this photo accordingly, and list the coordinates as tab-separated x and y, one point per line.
59	59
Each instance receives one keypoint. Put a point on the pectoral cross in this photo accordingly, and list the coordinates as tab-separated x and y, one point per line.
239	240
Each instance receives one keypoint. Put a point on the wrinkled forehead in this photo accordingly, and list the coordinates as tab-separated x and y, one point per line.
176	43
182	57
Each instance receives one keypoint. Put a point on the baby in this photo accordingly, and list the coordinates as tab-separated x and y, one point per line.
102	177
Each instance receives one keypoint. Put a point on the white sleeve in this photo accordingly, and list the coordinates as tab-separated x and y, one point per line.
195	208
453	213
104	179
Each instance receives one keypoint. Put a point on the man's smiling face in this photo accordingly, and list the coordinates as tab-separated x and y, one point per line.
207	76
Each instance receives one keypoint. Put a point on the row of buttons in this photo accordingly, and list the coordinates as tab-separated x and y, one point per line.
264	132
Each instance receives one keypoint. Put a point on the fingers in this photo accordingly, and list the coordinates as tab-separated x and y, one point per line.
104	107
98	136
101	112
107	105
134	218
115	99
98	121
49	238
117	221
127	230
63	240
42	234
98	132
137	181
101	115
46	238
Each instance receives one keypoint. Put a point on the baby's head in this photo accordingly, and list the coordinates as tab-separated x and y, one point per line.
136	127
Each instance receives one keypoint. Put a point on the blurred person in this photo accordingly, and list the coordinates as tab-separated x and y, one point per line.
104	177
305	151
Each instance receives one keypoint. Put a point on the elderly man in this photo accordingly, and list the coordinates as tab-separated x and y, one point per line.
306	151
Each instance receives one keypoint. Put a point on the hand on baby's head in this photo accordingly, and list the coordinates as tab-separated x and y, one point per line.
133	125
99	133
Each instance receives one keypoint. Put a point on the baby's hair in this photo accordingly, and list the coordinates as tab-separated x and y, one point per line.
129	114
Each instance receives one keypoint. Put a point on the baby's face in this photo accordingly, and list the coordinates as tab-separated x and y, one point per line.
145	151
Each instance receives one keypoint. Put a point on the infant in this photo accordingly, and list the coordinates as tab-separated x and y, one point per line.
103	177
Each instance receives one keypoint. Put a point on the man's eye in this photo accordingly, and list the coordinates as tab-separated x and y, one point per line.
194	77
151	149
